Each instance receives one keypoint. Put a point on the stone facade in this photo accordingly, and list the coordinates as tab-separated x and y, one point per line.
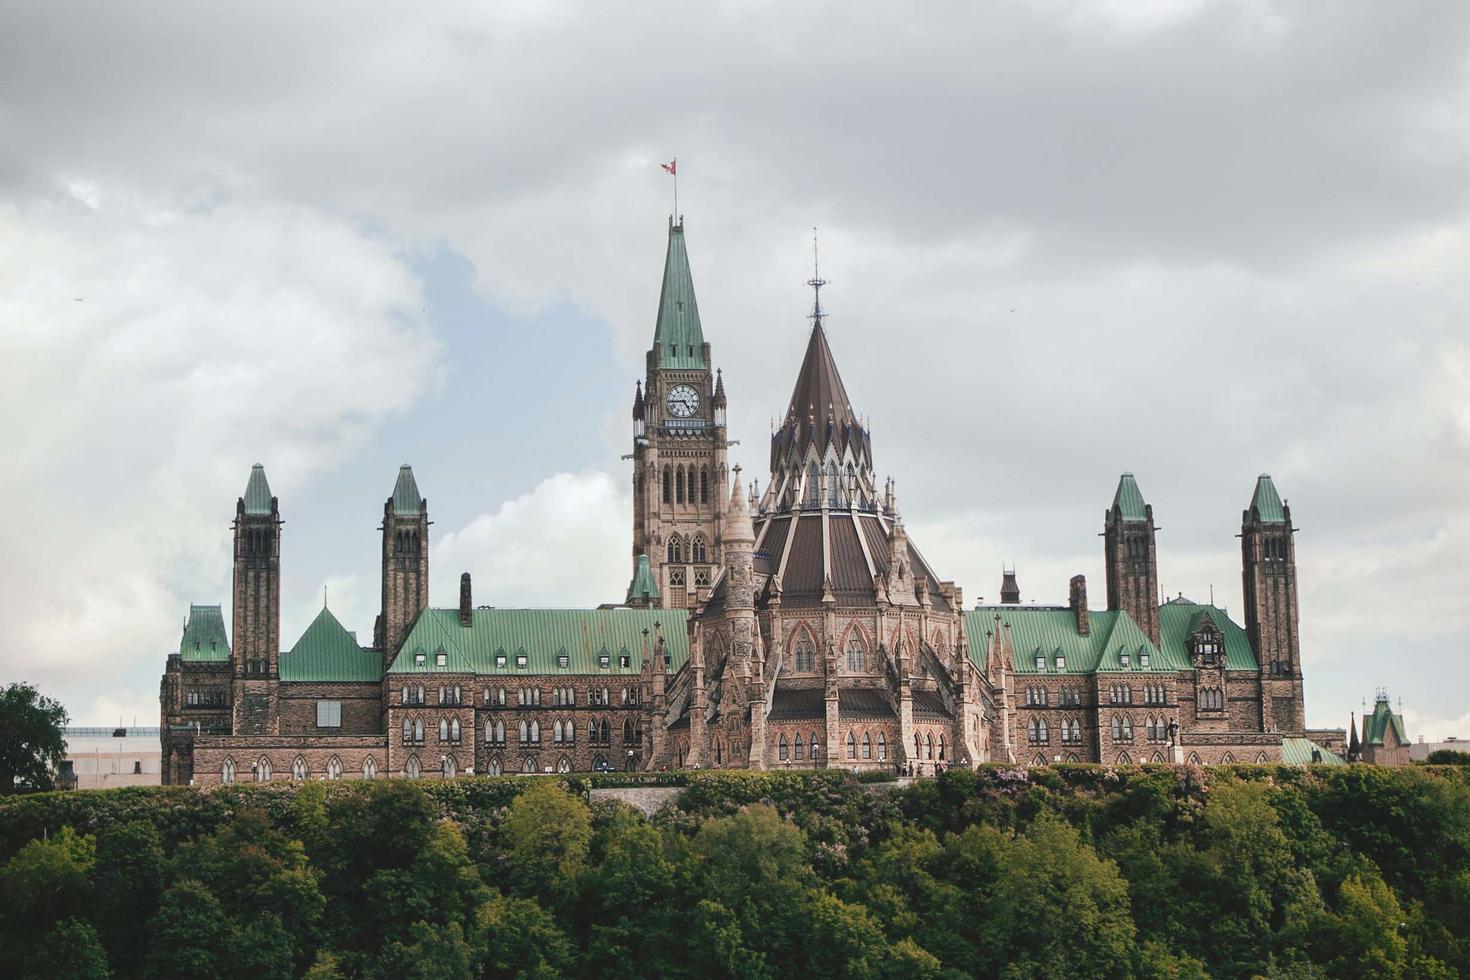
795	627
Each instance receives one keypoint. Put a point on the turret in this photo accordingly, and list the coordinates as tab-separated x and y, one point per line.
1132	557
405	568
256	607
1268	572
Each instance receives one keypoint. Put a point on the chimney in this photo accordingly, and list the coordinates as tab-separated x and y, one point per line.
1010	592
1078	602
466	605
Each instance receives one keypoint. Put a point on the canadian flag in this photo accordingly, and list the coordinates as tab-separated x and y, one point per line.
672	166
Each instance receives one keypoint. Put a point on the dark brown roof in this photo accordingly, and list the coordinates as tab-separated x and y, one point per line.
930	703
819	411
798	704
861	702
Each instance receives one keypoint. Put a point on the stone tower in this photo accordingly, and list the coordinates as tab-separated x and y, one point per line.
256	609
405	563
1131	557
1268	564
679	445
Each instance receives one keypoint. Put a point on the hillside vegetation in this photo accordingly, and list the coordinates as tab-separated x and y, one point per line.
1078	871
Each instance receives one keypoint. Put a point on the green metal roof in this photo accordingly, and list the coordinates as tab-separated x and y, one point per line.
1266	502
678	335
204	638
406	496
328	652
1376	725
1128	500
1298	752
257	492
1051	632
643	586
542	636
1180	618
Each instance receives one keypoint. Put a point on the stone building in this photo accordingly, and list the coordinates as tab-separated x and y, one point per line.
797	626
1384	741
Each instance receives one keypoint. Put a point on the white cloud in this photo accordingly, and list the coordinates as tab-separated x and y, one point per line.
564	544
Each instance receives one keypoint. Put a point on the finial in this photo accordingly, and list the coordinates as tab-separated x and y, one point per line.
816	282
324	597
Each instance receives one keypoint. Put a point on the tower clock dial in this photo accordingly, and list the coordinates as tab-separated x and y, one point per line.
683	401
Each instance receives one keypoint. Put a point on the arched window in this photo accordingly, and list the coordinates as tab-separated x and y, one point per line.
882	747
443	729
851	746
814	746
448	768
676	549
604	732
535	731
1124	760
679	485
495	767
627	731
227	771
525	731
832	487
298	769
369	768
563	764
798	748
1127	728
454	730
782	749
867	746
1193	759
334	768
941	747
704	484
1036	732
528	764
697	550
263	770
1040	760
814	486
668	490
1261	757
929	746
1227	759
918	746
806	658
856	661
556	731
1117	727
418	730
570	730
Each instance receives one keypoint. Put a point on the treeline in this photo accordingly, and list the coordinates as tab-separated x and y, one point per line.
1074	871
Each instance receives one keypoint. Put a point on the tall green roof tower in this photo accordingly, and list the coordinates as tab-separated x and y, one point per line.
1131	555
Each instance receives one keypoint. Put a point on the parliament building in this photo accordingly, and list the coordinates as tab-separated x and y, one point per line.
791	626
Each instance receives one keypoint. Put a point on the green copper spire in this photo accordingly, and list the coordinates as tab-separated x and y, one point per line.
643	588
1128	501
257	492
678	336
406	497
1266	502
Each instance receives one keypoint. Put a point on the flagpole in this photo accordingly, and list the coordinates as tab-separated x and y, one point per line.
676	193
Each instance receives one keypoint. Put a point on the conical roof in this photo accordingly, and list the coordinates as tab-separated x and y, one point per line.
1128	501
257	492
642	587
1266	502
406	496
819	386
678	336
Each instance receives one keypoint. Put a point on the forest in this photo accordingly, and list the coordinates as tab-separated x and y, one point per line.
1069	871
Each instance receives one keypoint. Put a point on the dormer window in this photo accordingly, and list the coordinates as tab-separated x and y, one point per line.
1143	660
520	661
604	661
440	659
1061	662
419	659
1123	660
563	661
500	661
1040	661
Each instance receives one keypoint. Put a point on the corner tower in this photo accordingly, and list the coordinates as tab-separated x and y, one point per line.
1132	558
405	563
256	609
1268	567
679	445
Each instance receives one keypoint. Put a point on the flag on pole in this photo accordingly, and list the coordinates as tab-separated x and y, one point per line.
672	166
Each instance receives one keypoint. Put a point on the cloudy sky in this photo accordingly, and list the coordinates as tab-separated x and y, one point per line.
1193	240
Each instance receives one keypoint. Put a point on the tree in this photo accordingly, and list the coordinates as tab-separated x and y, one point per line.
70	951
46	881
32	743
128	880
190	934
1448	757
547	835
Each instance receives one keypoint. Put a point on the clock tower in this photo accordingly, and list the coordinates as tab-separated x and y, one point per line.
679	444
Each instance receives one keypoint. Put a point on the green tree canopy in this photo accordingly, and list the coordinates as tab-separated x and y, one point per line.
32	740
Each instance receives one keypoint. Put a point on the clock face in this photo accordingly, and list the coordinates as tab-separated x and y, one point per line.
683	401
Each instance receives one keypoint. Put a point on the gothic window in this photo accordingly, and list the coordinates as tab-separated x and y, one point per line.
604	732
1193	759
334	768
918	746
806	658
556	734
1227	759
563	764
929	746
679	485
528	764
1040	760
668	491
855	657
535	731
227	771
798	748
298	769
495	767
814	746
627	731
701	578
851	746
697	550
454	730
867	746
407	731
782	749
443	729
525	731
1207	647
369	768
832	487
676	549
449	767
941	748
1124	760
1036	732
704	485
882	747
263	770
418	731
